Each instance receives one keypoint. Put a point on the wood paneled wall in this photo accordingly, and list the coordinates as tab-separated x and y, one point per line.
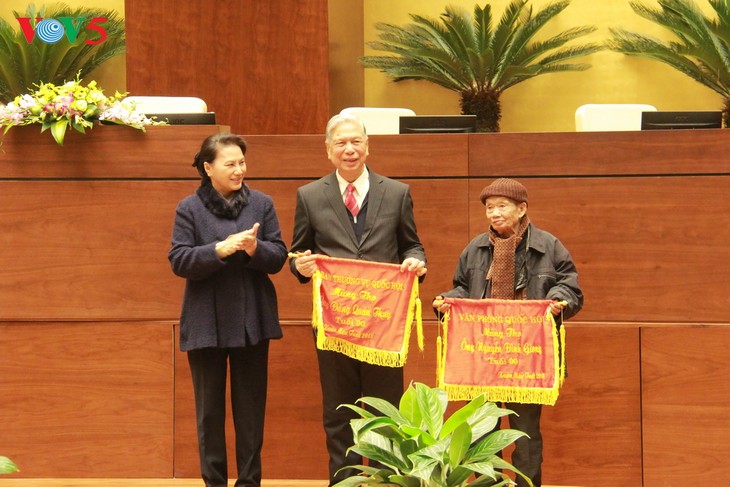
685	400
87	399
262	66
92	383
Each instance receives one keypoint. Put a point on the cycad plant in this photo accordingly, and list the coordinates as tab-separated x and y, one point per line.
702	46
416	446
477	57
24	64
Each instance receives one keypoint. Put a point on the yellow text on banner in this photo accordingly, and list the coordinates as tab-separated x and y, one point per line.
365	310
509	350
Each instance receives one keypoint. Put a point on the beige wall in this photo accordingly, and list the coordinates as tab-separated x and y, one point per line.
112	75
546	103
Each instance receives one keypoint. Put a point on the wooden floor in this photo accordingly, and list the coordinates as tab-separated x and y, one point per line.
10	482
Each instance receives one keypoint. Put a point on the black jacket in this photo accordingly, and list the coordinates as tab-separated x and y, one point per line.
546	271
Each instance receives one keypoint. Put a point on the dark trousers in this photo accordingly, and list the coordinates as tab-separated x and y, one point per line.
345	380
527	455
248	366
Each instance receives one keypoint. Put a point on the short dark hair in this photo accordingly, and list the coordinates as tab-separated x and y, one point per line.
209	149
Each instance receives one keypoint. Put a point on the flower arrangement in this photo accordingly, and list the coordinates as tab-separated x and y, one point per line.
71	104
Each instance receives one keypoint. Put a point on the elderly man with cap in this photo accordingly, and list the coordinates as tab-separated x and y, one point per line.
516	260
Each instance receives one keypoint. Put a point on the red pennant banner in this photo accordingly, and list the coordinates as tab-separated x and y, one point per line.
365	309
509	350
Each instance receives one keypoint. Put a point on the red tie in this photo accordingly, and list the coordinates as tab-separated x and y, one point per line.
350	201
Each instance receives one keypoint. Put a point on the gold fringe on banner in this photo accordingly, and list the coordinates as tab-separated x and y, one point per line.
562	354
362	353
519	394
419	317
439	369
441	347
317	308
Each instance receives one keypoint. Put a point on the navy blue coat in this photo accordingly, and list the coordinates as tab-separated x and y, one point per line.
228	302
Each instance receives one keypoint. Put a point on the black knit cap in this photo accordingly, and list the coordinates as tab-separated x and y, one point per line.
509	188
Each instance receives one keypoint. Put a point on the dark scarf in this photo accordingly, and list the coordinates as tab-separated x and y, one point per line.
217	204
502	271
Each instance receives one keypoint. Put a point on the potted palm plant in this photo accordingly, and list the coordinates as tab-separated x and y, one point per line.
476	57
24	64
416	446
700	49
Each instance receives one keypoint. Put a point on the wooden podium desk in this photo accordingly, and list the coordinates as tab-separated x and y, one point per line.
92	384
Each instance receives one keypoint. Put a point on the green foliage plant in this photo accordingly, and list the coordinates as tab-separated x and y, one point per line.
22	65
701	45
416	446
7	466
478	57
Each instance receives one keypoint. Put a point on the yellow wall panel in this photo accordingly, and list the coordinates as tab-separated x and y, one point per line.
546	103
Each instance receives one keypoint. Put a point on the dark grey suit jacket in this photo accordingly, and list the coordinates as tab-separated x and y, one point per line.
321	223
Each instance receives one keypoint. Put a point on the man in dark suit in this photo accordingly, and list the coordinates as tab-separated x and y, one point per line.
357	214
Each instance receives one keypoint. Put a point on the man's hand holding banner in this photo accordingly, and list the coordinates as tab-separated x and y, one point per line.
365	310
509	350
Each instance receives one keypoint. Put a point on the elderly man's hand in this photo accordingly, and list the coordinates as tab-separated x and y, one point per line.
413	264
305	263
440	305
556	307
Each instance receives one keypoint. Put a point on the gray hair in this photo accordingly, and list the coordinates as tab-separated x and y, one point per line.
338	120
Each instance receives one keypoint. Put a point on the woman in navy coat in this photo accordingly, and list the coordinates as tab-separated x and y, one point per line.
225	243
